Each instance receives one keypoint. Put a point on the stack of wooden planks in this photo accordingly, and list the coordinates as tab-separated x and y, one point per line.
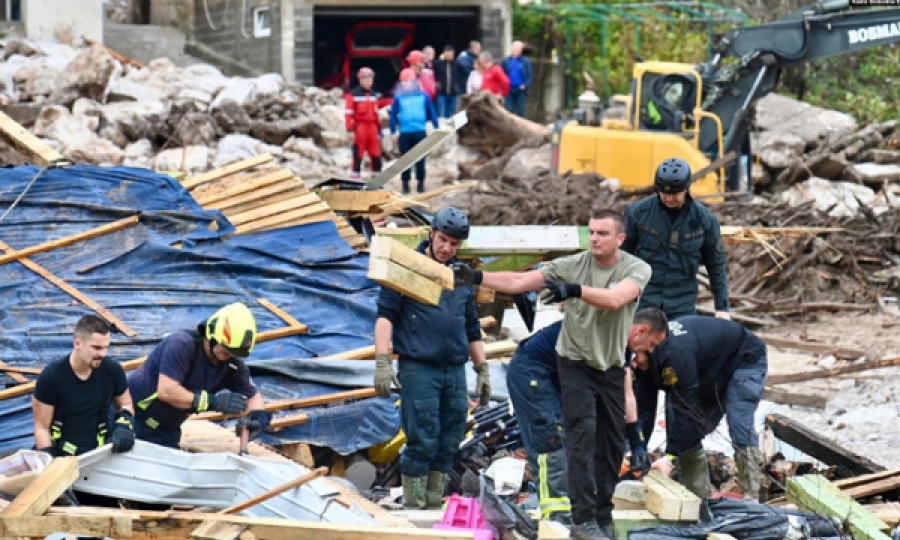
256	194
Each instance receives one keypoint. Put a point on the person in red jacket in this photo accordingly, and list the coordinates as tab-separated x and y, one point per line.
363	124
416	60
493	79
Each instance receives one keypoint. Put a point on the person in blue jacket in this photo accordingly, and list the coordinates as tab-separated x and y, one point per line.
433	343
411	110
518	69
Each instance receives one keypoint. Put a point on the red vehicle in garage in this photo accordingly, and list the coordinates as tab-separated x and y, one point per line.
381	46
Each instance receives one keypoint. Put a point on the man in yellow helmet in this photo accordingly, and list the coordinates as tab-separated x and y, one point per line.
200	370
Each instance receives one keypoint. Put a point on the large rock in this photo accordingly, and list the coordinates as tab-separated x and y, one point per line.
231	117
269	84
306	149
876	173
139	154
787	115
36	79
237	90
86	76
332	139
839	199
135	119
57	123
198	128
527	163
128	89
779	150
332	118
95	151
192	160
236	147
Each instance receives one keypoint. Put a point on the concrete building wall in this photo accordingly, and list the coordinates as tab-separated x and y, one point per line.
176	13
496	26
63	20
227	27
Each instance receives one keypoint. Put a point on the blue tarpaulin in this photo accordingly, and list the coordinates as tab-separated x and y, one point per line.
154	287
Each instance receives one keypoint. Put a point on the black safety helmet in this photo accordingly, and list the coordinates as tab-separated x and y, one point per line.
672	176
451	222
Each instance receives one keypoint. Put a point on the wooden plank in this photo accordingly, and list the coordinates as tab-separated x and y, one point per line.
276	209
816	494
227	170
828	373
661	501
384	247
209	190
483	295
218	530
865	478
886	512
99	526
287	219
403	280
780	395
289	421
26	143
410	158
69	240
281	314
347	200
40	494
298	453
873	488
487	322
205	436
275	176
274	492
287	192
811	347
15	374
70	290
552	530
168	525
821	448
500	348
128	365
286	404
688	503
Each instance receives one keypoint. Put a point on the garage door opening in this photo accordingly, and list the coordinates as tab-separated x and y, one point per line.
383	47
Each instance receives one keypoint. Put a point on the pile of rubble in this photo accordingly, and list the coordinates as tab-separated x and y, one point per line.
99	108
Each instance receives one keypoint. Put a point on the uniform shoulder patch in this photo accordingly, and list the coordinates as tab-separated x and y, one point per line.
669	377
720	245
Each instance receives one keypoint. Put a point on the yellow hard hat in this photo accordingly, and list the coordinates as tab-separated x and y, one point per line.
234	328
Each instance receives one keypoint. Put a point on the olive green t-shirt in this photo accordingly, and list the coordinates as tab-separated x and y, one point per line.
589	334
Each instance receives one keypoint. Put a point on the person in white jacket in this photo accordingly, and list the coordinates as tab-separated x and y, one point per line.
473	83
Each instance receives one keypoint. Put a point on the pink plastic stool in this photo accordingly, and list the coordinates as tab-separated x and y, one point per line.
464	514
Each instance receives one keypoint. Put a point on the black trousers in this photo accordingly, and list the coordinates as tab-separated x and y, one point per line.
407	142
593	404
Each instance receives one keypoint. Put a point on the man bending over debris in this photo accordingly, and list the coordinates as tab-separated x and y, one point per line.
433	343
534	388
197	371
601	287
675	235
72	397
709	368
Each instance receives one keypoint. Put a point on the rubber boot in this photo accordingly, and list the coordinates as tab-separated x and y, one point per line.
694	472
749	468
414	492
435	488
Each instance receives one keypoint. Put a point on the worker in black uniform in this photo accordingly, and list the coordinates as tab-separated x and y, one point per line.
709	368
72	397
195	371
434	343
675	234
534	389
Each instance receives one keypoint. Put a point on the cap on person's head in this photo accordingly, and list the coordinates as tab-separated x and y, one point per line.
415	57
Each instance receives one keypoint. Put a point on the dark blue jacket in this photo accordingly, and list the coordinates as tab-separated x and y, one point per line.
432	334
527	71
694	365
466	60
458	78
411	110
675	250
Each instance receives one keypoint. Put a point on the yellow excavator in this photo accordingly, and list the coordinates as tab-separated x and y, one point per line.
704	113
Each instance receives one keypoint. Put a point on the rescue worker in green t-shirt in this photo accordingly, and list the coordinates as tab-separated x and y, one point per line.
601	287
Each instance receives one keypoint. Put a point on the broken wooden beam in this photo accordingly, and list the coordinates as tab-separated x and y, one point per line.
70	290
41	493
384	247
813	347
217	530
97	526
227	170
814	493
281	314
389	274
818	447
26	143
286	404
357	201
827	373
69	240
669	500
274	492
784	397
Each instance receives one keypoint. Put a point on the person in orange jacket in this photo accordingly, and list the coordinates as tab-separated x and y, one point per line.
493	78
363	124
416	60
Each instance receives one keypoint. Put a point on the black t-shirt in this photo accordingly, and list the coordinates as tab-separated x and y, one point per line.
80	405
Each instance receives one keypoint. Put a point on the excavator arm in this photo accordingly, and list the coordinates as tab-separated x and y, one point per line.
818	31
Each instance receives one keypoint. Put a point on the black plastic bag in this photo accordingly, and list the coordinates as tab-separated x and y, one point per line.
500	515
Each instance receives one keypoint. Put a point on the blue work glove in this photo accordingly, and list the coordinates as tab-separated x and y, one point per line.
225	401
123	432
464	275
640	460
557	291
259	421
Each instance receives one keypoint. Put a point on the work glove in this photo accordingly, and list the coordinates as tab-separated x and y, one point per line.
384	375
482	386
557	291
259	421
640	460
226	402
464	275
123	432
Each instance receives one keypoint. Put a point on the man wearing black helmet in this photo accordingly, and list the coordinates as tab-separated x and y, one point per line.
433	344
675	234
